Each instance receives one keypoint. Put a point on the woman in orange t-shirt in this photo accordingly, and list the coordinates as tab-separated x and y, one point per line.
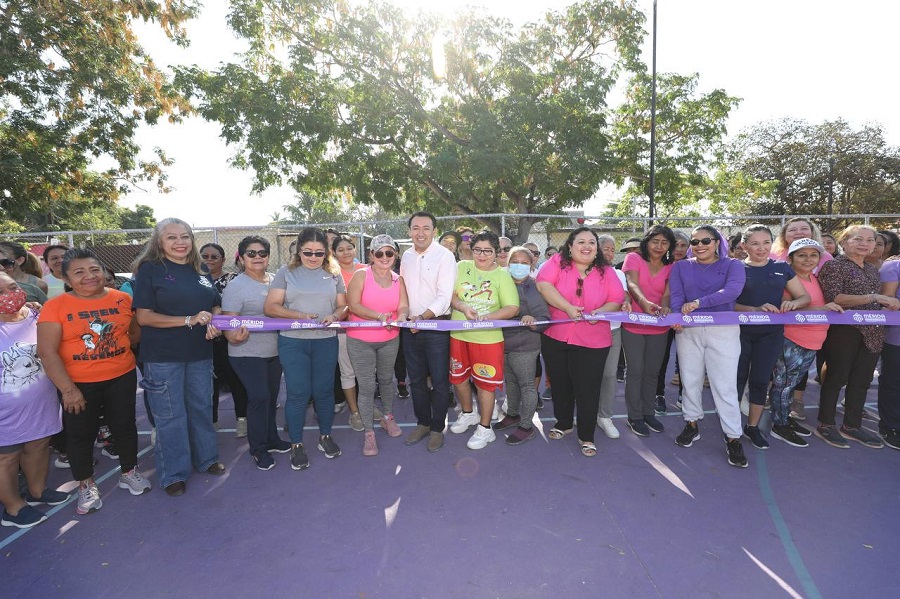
84	341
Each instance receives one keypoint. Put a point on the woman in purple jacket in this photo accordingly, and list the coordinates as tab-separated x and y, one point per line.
709	281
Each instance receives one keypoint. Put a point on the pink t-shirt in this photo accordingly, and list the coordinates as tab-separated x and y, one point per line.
653	287
381	299
810	336
598	289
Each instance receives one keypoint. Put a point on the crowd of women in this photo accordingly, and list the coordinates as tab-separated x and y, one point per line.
69	363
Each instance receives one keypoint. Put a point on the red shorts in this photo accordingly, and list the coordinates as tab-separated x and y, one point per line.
482	361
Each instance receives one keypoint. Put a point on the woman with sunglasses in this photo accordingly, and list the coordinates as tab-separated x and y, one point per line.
254	357
344	250
310	287
578	281
376	293
766	285
213	257
13	259
175	299
484	291
464	251
709	281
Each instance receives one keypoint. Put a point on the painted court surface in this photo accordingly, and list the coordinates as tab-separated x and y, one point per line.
645	518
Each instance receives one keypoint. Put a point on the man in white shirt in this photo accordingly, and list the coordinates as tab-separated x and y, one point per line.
429	272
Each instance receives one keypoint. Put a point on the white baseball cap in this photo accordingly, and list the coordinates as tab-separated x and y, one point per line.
799	244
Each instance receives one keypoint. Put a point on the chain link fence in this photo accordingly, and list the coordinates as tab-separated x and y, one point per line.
118	248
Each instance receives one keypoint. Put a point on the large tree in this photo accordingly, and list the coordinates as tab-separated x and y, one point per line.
75	84
470	116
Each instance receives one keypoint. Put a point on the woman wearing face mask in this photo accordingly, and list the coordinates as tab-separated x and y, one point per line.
13	258
521	347
31	402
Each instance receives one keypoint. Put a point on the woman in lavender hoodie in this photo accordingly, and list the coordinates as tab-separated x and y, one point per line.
709	281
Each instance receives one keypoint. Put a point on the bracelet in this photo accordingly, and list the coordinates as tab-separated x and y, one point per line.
187	322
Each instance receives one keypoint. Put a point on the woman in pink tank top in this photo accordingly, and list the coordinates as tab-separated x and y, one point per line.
376	296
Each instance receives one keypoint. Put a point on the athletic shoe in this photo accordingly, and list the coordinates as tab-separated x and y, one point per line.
797	428
735	452
620	376
756	437
830	434
328	447
88	499
103	435
788	435
481	437
26	518
507	422
495	415
638	427
280	447
688	435
240	428
891	438
540	404
547	395
49	497
798	410
110	451
867	415
660	407
678	403
608	428
299	460
370	446
339	407
861	435
134	482
402	390
464	421
653	423
356	422
62	461
520	435
390	425
264	460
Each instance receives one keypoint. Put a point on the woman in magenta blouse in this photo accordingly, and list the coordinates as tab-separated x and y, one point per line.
576	282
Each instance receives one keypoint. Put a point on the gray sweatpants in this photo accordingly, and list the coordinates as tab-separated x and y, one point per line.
609	385
521	394
643	354
371	360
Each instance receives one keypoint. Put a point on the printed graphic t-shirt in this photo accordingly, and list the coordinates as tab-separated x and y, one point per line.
486	291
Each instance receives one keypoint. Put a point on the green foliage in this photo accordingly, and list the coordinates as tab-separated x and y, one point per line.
74	86
470	116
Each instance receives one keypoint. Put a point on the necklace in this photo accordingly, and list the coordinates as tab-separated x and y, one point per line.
705	268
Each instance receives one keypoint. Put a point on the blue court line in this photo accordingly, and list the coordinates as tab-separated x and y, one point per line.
784	534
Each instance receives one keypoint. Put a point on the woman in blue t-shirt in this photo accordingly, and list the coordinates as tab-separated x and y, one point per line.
766	283
174	301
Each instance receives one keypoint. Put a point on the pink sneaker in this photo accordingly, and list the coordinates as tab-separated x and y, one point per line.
390	425
370	447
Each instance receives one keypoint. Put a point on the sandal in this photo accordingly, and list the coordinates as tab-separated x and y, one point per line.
556	433
588	449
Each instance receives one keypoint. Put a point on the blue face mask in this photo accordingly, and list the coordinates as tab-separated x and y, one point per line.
519	271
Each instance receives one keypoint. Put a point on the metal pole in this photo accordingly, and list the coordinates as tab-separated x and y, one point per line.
652	205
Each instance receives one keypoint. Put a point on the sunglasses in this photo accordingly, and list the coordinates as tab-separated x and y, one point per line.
505	249
309	254
7	263
211	256
255	253
466	237
704	241
382	254
482	251
579	287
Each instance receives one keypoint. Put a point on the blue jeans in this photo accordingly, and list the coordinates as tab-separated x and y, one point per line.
261	378
180	397
308	373
428	353
793	362
760	347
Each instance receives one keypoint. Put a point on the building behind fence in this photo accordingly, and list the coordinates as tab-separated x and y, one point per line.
119	247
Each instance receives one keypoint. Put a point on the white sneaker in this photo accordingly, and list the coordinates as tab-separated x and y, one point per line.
134	482
240	429
481	438
745	405
88	499
464	421
606	424
496	414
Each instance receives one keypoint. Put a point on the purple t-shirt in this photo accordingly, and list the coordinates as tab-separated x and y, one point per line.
29	407
890	273
716	285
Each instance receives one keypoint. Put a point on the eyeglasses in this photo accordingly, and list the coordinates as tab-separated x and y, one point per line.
382	254
704	241
483	251
255	253
579	287
7	263
309	254
466	237
505	249
537	253
211	256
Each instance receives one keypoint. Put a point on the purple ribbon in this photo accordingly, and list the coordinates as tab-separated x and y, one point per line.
854	317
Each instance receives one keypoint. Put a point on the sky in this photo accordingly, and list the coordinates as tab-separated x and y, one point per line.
805	59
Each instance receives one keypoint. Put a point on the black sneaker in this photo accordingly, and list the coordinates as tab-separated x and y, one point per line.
653	424
829	433
110	451
540	404
788	435
798	428
620	376
299	461
280	447
329	447
891	438
660	407
690	434
402	390
735	451
639	427
756	437
264	460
